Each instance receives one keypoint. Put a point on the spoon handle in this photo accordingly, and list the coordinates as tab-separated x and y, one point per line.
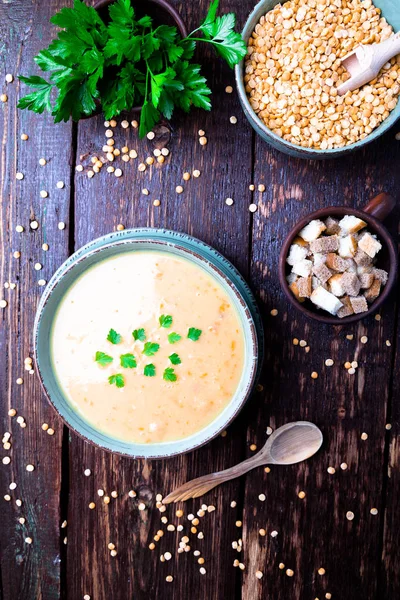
202	485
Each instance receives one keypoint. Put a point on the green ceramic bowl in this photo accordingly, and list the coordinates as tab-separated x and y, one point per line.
177	244
390	10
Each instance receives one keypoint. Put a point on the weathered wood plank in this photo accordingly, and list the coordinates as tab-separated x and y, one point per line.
100	204
29	571
313	532
389	574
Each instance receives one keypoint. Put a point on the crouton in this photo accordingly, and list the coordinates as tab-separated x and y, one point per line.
362	258
336	263
346	310
347	246
335	285
315	282
312	231
351	265
366	280
319	258
296	254
300	242
302	268
325	300
325	244
351	284
359	304
295	291
332	226
304	286
369	244
322	272
291	278
351	224
362	270
381	275
373	292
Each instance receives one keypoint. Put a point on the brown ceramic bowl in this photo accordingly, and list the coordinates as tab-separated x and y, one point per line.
373	213
160	10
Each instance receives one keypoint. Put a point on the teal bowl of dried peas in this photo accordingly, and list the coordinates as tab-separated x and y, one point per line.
307	121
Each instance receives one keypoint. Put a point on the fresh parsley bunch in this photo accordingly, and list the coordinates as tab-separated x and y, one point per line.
126	62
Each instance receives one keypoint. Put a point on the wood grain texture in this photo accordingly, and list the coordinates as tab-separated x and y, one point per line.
360	556
313	532
29	571
389	573
100	204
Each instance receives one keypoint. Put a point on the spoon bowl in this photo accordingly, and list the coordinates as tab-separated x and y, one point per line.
288	445
294	442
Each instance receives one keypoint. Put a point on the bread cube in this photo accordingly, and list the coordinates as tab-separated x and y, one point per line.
325	300
319	258
322	272
351	266
336	263
335	285
362	259
295	291
347	246
300	242
312	231
315	282
359	304
361	270
325	244
381	275
369	244
296	254
332	226
291	278
351	284
351	224
302	268
304	285
366	280
346	310
373	292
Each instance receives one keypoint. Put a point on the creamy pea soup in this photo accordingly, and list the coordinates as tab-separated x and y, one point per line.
147	347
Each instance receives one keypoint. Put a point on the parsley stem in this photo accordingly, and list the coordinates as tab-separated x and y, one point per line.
206	40
192	32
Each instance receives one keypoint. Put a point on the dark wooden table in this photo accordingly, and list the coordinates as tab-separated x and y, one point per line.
360	557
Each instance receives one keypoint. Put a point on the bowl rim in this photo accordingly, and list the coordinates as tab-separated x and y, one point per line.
282	144
246	305
376	226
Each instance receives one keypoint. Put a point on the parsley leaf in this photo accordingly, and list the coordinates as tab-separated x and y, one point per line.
149	370
126	62
103	359
148	118
139	334
195	90
169	374
165	321
175	359
117	379
157	83
150	348
114	337
37	101
128	361
220	32
174	337
194	334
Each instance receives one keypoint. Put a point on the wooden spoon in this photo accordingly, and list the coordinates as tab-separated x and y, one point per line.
288	445
365	62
